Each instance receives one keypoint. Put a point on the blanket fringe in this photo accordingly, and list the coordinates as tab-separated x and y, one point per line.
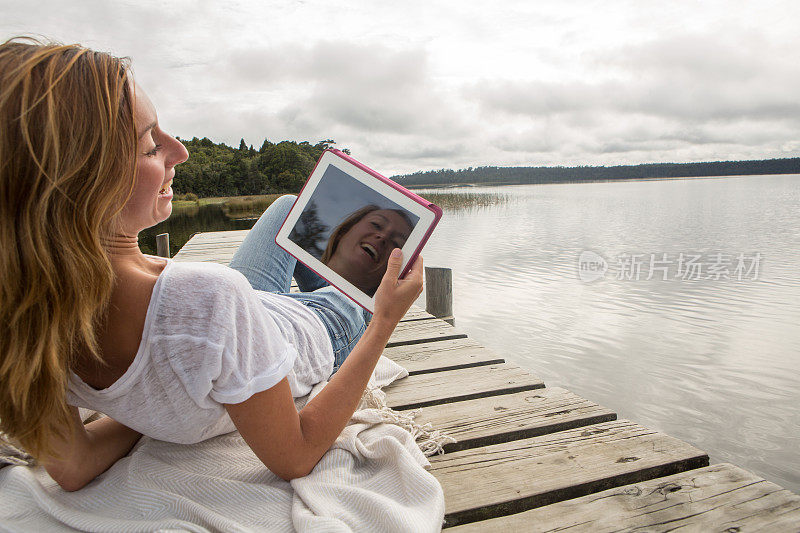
430	441
12	454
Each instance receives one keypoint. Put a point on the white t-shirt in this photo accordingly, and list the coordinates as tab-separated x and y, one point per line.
209	338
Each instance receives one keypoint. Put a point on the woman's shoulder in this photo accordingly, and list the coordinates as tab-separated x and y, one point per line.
199	274
202	282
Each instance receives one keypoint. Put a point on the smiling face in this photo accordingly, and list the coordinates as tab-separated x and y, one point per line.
157	155
363	252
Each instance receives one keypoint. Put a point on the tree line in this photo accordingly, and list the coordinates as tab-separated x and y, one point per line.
221	170
216	169
524	175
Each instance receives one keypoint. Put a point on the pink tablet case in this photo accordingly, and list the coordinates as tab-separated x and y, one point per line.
437	211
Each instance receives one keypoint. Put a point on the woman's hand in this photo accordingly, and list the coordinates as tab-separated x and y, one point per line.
394	296
291	443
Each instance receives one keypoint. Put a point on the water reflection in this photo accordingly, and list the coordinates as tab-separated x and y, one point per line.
186	221
713	362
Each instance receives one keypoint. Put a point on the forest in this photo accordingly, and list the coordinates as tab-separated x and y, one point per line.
524	175
219	170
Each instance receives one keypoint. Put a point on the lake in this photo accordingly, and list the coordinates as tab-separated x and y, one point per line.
675	303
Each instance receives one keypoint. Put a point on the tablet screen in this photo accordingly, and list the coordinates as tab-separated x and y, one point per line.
352	229
347	220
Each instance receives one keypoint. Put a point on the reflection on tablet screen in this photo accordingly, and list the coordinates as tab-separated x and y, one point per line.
352	229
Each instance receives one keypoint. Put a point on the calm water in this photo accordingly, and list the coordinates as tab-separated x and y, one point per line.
185	222
714	362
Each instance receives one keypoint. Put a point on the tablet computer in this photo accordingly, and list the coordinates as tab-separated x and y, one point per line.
346	221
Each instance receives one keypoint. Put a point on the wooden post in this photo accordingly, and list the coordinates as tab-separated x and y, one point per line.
162	245
439	293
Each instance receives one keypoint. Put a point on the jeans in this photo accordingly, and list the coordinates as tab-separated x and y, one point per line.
269	268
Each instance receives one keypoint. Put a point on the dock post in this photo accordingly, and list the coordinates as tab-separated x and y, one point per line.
162	245
439	293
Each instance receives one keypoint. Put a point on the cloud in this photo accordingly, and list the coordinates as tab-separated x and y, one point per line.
327	60
687	76
448	85
674	94
366	87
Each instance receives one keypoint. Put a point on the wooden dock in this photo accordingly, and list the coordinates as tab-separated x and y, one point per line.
535	458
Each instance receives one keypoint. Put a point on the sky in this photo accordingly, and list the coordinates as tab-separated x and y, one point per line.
421	85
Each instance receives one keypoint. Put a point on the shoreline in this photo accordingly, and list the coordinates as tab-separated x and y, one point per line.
222	200
593	180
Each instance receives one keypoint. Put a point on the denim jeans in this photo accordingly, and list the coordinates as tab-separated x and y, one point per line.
269	268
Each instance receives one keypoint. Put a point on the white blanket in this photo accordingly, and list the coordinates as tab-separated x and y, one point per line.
372	479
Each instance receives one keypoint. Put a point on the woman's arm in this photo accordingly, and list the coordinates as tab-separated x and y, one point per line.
91	451
289	443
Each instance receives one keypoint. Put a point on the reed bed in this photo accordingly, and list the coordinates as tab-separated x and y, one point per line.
250	205
454	201
253	206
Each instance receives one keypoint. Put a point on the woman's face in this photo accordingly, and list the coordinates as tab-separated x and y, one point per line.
362	252
157	155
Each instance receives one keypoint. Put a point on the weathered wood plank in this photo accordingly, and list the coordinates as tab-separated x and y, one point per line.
441	355
211	249
198	242
208	239
420	331
417	313
208	249
214	246
720	497
219	236
421	390
497	419
217	255
501	479
222	257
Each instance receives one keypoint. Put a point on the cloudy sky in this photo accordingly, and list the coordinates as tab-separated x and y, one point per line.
430	84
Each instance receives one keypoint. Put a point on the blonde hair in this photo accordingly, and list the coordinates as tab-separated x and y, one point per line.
67	166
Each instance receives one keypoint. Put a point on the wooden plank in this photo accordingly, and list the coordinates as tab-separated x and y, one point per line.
720	497
441	355
213	246
501	479
219	236
417	313
213	254
497	419
422	390
198	241
420	331
223	258
209	249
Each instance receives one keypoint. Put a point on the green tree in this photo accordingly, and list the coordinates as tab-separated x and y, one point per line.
220	170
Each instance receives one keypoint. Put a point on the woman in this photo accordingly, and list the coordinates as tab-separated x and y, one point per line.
359	248
177	351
